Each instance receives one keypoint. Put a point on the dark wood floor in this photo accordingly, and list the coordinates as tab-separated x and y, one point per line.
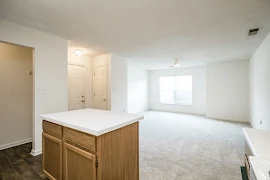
18	164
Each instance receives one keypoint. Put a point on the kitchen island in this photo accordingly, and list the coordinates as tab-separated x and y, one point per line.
91	144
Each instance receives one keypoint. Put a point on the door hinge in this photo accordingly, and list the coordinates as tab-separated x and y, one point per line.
96	163
94	74
94	94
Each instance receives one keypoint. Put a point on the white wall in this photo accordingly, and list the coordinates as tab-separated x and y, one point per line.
227	91
198	78
16	95
138	88
118	83
260	86
84	60
50	71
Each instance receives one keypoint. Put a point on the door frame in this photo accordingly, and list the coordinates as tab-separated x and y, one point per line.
107	86
33	122
85	84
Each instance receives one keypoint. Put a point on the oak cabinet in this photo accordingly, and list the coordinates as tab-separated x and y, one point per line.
52	129
79	139
52	157
69	154
78	164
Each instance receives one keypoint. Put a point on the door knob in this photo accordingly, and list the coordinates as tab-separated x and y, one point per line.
82	100
104	99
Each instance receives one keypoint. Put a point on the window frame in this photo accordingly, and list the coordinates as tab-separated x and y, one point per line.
177	104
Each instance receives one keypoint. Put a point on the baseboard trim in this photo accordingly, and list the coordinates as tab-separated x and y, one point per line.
227	119
36	152
177	112
17	143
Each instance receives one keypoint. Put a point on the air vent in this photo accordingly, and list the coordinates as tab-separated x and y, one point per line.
253	32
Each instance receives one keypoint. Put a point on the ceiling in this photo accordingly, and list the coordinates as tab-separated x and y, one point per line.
151	32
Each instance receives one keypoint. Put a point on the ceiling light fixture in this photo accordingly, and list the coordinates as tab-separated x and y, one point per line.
78	52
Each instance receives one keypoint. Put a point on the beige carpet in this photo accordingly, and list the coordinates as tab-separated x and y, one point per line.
186	147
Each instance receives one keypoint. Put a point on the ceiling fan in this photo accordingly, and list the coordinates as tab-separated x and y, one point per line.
176	63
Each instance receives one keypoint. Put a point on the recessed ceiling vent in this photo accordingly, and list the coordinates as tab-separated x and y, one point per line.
253	32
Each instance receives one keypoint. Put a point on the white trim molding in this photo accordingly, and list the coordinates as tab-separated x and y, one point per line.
36	152
16	143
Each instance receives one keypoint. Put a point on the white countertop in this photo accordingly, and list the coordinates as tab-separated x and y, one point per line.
259	142
92	121
261	168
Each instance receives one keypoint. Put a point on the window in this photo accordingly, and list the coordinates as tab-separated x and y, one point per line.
175	90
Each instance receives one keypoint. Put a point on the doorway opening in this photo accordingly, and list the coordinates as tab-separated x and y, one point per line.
17	95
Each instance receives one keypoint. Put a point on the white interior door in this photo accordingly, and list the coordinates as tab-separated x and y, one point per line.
76	87
100	88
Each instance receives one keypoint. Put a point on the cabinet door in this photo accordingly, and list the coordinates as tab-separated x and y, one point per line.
78	164
52	156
